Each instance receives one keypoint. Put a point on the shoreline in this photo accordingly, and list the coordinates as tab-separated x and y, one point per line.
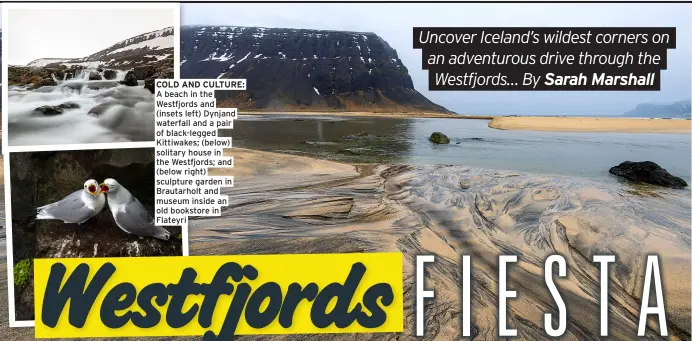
592	124
527	123
364	114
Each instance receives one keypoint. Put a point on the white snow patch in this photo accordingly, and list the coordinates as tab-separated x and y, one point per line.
221	58
161	57
45	61
238	62
88	65
152	44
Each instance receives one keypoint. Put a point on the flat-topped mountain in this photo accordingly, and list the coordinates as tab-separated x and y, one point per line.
137	51
302	70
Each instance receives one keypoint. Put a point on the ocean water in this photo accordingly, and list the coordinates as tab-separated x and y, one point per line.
393	140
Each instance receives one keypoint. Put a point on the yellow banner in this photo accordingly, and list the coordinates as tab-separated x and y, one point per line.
219	296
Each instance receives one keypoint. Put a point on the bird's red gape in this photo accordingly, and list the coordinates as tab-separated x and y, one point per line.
91	189
104	188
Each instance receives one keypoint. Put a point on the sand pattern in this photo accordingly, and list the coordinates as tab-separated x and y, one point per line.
290	204
451	210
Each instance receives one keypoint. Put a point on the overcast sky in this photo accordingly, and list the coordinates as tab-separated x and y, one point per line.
69	33
394	23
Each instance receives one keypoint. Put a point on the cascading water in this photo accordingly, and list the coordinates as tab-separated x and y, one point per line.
93	111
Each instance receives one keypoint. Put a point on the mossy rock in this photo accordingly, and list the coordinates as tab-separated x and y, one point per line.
439	138
22	272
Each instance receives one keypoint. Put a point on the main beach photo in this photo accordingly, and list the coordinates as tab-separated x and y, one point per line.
340	147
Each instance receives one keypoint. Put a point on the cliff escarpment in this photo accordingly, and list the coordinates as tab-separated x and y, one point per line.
302	70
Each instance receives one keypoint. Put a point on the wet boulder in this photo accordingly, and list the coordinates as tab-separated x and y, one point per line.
647	172
149	84
161	73
93	76
52	110
144	72
130	79
43	82
109	74
439	138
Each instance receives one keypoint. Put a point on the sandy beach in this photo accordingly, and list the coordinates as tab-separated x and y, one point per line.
592	124
288	204
291	204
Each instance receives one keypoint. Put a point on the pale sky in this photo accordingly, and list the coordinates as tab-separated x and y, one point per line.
34	34
394	23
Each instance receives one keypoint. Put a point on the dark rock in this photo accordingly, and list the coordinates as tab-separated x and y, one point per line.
100	109
93	76
130	79
44	82
59	74
99	69
302	69
144	72
648	172
109	74
52	110
439	138
69	105
164	72
149	84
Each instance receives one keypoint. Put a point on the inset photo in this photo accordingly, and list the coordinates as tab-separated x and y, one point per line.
75	79
81	204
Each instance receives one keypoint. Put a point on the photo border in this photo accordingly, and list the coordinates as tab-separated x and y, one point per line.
7	150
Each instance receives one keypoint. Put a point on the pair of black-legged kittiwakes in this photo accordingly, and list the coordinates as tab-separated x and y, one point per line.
80	206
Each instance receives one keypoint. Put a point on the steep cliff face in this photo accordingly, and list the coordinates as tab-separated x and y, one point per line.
144	49
295	69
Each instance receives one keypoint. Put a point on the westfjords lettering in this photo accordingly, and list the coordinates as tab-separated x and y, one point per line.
98	298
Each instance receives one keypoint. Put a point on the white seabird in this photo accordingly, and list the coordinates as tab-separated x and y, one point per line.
77	207
129	214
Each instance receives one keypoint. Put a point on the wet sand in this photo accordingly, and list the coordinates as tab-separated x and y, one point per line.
592	124
453	210
288	204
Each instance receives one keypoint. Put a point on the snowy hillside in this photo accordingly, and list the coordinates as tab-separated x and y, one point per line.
140	50
45	61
